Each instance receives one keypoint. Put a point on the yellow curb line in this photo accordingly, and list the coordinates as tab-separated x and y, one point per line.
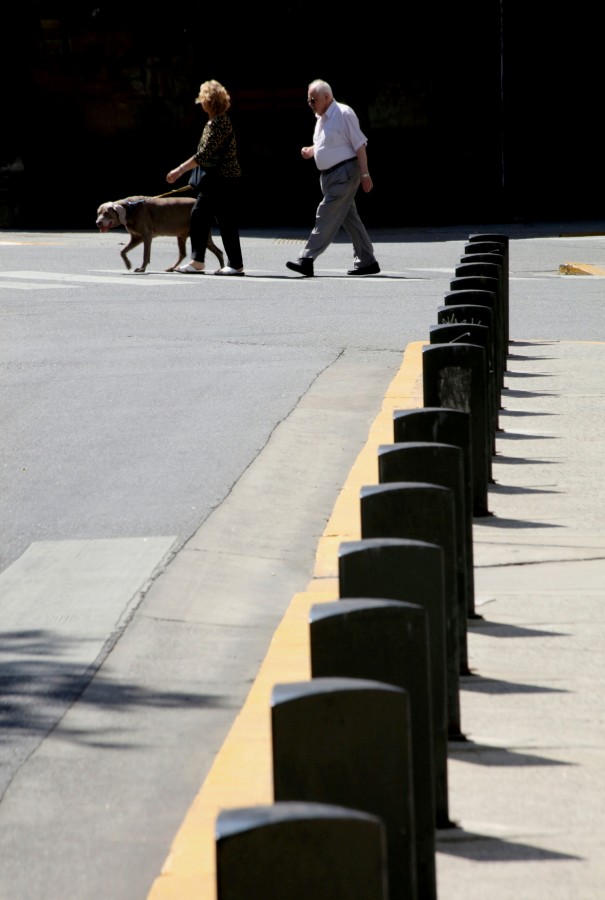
241	775
580	269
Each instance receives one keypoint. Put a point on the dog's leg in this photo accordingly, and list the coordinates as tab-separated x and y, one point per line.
217	251
182	242
135	240
146	253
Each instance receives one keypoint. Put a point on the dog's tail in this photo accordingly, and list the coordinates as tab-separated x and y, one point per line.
175	191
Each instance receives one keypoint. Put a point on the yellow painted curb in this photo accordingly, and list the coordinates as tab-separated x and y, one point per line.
580	269
242	775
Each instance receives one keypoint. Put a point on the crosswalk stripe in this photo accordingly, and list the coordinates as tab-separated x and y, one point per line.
66	278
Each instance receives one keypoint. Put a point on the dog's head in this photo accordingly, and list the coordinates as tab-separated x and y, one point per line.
107	217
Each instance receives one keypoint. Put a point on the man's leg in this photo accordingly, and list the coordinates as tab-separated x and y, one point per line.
339	189
356	230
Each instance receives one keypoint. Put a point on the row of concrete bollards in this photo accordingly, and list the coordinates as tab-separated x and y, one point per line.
359	751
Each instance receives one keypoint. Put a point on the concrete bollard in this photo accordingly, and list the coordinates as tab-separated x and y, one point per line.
446	426
412	572
484	315
498	258
470	266
476	297
485	243
347	742
500	241
490	256
454	376
485	269
484	283
422	512
490	236
474	247
443	464
480	308
387	641
503	259
451	332
300	850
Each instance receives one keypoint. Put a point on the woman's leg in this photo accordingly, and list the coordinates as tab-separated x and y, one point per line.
202	217
227	216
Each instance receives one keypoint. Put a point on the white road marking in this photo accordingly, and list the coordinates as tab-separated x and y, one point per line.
30	286
49	280
64	278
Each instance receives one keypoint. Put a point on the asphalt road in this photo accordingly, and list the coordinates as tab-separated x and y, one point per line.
199	427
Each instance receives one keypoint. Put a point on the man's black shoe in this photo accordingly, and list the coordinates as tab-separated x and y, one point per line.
303	266
372	269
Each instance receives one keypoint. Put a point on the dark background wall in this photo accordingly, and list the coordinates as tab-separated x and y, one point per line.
474	111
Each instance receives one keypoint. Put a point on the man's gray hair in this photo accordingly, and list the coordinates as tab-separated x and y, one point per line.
322	86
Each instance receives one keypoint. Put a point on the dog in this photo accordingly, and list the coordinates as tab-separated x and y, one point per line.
147	217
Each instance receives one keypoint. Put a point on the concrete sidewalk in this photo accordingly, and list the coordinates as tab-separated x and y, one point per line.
527	787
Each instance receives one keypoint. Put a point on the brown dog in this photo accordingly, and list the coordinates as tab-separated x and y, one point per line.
147	217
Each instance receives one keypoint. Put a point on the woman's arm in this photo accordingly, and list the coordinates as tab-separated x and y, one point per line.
175	174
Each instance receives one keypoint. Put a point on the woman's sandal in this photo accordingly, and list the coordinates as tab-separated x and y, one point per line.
229	270
190	269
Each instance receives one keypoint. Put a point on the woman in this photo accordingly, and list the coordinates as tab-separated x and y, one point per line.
218	192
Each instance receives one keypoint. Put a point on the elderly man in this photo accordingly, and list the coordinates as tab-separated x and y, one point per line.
339	151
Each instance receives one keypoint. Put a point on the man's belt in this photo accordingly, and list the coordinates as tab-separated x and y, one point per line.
337	166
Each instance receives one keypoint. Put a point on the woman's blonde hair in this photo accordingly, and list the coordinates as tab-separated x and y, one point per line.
215	96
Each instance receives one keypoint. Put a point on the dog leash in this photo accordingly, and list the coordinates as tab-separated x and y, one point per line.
175	191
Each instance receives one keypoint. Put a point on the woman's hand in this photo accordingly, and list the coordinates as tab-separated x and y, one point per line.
174	175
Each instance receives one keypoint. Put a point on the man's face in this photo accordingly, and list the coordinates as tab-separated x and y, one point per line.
318	101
